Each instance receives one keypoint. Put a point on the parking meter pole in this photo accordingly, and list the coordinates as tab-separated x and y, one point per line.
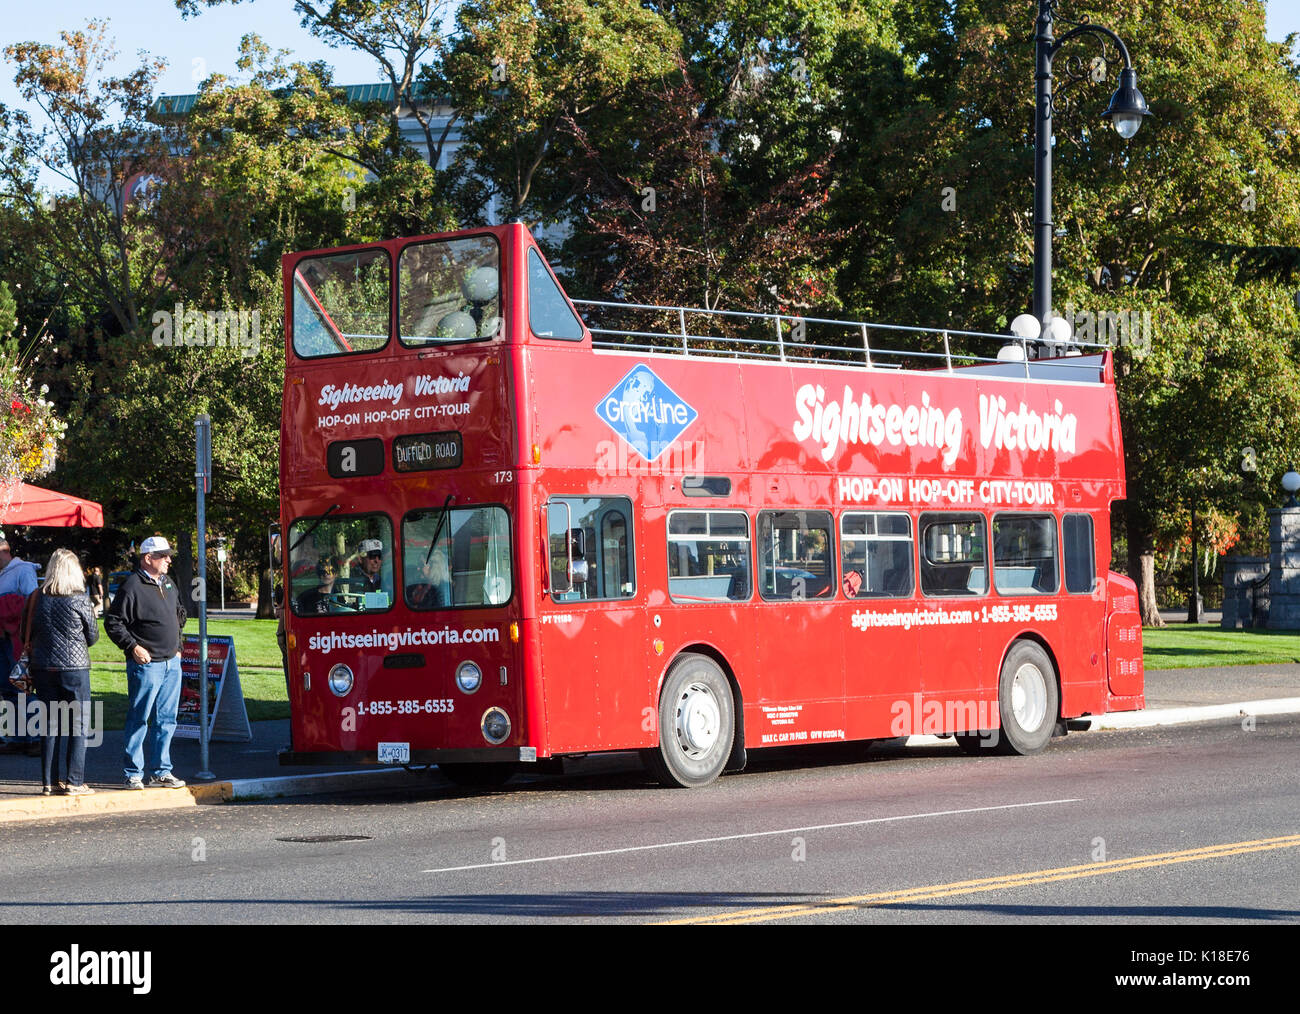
202	482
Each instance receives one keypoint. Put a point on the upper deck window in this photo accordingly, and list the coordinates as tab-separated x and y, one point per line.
340	304
549	314
449	290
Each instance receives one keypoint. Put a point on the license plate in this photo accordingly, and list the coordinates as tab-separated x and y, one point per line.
394	753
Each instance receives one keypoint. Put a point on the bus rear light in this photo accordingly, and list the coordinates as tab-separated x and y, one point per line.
496	726
292	641
537	454
469	677
341	680
514	633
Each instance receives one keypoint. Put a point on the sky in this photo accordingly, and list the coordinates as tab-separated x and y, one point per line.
209	42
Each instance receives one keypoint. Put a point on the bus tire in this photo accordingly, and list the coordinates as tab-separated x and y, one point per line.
697	724
1028	699
491	775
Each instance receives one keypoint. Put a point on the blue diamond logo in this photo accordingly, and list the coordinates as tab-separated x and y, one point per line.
646	412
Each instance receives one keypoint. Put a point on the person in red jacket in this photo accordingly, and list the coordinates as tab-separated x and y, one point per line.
17	581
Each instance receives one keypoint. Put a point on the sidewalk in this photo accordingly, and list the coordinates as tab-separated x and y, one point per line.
251	770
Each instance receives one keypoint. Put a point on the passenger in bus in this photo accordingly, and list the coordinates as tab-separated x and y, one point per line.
372	576
432	587
317	600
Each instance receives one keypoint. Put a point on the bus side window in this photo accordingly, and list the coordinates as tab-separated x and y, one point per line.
1024	554
599	543
952	554
876	555
795	555
1080	554
708	556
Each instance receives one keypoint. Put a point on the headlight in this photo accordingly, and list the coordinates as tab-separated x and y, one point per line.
496	726
469	677
340	680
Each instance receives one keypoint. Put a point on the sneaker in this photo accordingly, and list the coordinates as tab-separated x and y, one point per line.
78	790
167	781
134	783
49	790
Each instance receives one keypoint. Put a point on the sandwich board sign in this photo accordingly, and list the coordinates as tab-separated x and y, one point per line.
227	714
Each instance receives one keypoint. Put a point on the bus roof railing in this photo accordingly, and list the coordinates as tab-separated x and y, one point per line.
862	343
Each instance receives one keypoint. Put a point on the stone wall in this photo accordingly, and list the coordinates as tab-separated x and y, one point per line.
1239	572
1284	568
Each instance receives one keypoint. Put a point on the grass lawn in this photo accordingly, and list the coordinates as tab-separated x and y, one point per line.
1182	647
254	642
258	656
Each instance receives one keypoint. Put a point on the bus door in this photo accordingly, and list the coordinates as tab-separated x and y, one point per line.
953	611
593	637
800	668
878	574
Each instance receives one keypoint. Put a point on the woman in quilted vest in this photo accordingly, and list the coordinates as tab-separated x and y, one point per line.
63	627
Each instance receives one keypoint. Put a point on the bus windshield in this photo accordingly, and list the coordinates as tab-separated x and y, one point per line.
468	567
341	565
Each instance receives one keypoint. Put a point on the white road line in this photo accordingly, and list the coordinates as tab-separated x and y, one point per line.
751	834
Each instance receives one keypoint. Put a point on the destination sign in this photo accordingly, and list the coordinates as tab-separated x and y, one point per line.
424	452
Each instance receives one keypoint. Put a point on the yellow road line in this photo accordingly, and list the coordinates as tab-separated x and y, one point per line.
773	912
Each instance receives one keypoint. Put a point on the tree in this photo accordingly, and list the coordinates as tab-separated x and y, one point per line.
398	34
519	71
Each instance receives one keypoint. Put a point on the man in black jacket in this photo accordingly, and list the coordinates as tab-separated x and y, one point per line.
145	621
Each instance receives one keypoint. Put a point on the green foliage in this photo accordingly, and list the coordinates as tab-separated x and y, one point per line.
8	318
522	71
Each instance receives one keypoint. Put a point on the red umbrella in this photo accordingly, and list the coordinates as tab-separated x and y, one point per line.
32	505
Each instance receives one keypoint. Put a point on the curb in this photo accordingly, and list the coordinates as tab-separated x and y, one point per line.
235	790
1200	713
249	789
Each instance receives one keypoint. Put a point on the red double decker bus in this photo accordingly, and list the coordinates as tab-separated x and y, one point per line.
515	531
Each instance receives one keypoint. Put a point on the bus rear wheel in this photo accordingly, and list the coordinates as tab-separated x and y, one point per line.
697	724
1028	699
479	776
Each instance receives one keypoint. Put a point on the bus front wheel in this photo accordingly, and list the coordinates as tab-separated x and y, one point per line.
1028	699
697	724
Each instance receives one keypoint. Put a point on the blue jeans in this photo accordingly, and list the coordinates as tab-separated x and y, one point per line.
153	691
64	729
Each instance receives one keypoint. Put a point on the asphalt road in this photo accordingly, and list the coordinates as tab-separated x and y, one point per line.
1194	824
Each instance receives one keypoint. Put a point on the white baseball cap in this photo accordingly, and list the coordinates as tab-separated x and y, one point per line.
370	546
155	544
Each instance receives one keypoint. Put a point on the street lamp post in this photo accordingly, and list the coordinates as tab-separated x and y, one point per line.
1125	112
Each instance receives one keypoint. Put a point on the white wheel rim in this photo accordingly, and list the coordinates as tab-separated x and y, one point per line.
699	720
1029	697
